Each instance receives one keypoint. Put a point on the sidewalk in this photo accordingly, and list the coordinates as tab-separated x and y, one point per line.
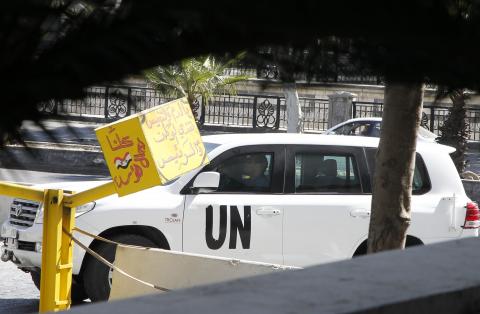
59	147
61	131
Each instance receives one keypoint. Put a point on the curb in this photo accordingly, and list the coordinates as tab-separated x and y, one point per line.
54	157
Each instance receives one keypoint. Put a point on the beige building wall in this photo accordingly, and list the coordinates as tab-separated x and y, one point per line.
322	90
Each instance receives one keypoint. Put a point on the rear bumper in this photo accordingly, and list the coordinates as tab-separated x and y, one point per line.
469	233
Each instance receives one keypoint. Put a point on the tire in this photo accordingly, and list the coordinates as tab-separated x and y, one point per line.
410	241
96	275
78	292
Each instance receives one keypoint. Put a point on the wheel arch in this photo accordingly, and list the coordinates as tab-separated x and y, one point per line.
149	232
410	241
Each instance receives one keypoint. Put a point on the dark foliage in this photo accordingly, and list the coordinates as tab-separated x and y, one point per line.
52	49
455	130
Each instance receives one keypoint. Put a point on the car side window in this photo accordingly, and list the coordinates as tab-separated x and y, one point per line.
317	172
251	172
371	129
343	130
361	128
421	181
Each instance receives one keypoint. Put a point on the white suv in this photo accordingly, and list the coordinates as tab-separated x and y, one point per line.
281	198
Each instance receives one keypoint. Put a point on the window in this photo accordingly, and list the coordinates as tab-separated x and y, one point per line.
316	172
362	128
421	181
246	173
210	146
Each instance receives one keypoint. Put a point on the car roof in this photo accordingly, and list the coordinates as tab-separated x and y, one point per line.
242	139
363	119
288	138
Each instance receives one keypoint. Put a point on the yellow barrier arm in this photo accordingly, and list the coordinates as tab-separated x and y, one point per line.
101	191
21	191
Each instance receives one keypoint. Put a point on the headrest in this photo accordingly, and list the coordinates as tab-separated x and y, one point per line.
330	167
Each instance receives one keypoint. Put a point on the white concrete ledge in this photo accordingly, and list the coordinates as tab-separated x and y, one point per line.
441	278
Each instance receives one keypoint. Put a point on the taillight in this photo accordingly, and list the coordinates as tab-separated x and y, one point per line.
472	217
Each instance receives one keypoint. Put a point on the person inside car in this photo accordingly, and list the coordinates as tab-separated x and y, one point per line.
253	174
230	176
329	176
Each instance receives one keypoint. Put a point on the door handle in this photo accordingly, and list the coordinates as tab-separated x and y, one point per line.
268	212
362	213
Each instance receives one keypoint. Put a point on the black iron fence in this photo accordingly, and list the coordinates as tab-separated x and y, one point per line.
315	114
433	116
106	103
109	103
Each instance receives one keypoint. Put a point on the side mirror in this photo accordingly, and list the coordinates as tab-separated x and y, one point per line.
207	181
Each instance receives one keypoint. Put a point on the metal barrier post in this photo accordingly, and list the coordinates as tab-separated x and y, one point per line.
66	255
56	275
50	280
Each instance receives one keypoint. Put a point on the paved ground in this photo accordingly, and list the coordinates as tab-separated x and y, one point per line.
473	164
60	131
29	177
17	292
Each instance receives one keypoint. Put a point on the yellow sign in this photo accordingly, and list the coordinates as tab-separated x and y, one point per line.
152	147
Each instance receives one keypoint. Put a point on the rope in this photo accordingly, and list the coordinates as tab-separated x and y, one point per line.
107	263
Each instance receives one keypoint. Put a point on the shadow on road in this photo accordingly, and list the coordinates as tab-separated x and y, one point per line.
23	306
19	306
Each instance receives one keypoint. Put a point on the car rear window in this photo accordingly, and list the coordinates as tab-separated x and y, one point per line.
325	173
421	180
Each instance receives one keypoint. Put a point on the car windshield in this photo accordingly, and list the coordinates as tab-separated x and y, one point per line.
426	133
210	146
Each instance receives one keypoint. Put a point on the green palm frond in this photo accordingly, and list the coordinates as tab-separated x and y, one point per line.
200	76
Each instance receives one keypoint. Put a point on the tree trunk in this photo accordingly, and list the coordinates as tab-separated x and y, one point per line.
191	101
395	164
294	110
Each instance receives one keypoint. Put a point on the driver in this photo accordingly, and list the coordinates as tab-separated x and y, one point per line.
253	174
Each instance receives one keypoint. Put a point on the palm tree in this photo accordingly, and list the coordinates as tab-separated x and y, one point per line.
455	130
193	77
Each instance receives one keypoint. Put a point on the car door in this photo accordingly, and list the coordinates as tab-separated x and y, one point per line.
326	208
243	218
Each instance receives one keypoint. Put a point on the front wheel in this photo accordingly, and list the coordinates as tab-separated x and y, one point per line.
78	292
97	277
